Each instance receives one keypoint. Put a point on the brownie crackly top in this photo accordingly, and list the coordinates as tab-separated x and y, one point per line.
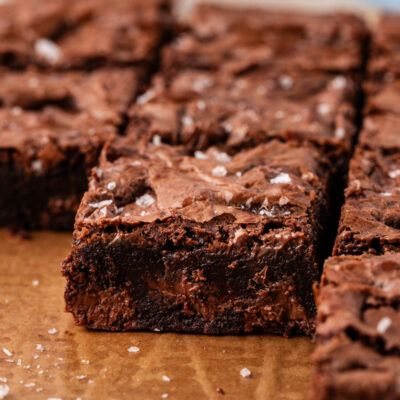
370	220
385	47
44	116
237	39
201	108
357	336
103	94
274	182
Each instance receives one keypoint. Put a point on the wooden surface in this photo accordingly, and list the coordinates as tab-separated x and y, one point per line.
75	363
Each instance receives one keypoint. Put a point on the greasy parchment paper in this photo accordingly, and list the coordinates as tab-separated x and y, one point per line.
52	358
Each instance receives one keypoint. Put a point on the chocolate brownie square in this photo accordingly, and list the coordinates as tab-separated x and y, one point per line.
202	108
357	353
74	33
210	244
52	129
236	40
370	219
385	48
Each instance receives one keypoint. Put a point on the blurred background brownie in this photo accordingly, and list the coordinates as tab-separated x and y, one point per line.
52	129
235	40
73	33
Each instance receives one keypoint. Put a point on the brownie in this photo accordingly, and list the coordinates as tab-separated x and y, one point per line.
202	108
236	40
370	219
358	346
53	127
383	95
208	244
81	34
385	48
104	94
381	132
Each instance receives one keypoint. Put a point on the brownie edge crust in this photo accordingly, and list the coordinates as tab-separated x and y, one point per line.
209	244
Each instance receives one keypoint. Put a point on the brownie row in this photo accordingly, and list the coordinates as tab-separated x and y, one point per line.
211	213
357	355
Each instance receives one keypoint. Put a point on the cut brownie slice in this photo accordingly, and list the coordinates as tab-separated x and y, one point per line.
370	221
358	345
202	108
74	33
52	130
385	48
236	40
210	243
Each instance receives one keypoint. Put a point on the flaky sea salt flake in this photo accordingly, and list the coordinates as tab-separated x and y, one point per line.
28	385
111	185
245	373
134	349
324	108
145	200
339	82
395	173
100	204
48	50
39	347
340	133
286	82
383	325
200	155
219	171
7	352
281	178
187	121
146	97
37	166
156	140
223	157
4	390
